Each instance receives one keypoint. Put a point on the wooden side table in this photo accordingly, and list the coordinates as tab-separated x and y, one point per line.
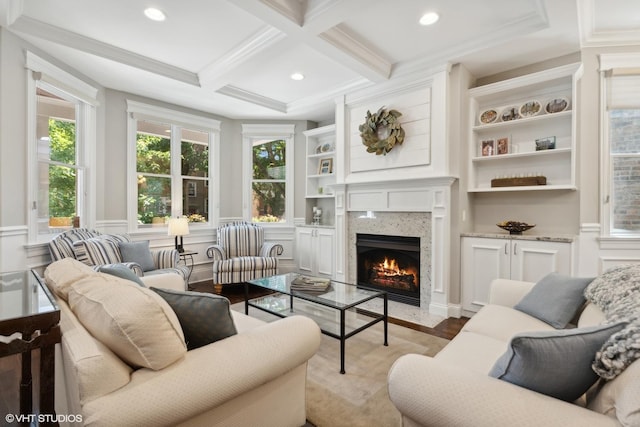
29	319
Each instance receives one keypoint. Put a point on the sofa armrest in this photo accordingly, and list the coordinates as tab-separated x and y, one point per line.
508	292
435	393
209	376
165	258
270	249
216	252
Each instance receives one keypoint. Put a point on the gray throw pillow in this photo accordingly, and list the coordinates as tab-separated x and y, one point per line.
137	252
121	271
205	318
555	299
555	363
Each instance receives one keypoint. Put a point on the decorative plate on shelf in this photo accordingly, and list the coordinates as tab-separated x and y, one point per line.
530	108
488	116
510	113
515	227
325	147
556	105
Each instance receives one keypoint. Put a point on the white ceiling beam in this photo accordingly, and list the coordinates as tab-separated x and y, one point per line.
336	44
57	35
263	41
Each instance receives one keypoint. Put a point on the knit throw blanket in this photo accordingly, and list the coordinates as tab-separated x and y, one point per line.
617	293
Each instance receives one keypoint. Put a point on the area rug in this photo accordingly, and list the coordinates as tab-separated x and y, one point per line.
358	398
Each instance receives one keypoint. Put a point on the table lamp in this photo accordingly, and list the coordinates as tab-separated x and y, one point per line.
178	227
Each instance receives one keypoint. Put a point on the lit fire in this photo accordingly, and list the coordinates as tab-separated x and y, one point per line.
391	268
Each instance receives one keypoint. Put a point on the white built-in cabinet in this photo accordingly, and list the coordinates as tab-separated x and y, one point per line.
315	250
547	99
487	258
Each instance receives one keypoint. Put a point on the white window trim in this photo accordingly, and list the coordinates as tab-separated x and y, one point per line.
608	63
251	132
39	69
139	111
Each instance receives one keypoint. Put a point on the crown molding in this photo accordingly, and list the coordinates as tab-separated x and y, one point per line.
254	98
590	37
10	11
66	38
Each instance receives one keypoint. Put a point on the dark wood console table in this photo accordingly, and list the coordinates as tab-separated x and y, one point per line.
29	320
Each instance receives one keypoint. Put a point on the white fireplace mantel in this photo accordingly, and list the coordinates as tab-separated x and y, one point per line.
418	195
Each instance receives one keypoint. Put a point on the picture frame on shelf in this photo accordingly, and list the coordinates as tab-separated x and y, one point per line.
546	143
325	166
503	145
487	147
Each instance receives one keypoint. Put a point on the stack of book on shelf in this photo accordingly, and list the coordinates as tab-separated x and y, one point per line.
310	284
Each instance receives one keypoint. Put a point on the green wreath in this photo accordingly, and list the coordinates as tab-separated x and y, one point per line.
381	131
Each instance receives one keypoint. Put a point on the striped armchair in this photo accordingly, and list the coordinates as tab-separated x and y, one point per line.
242	254
98	250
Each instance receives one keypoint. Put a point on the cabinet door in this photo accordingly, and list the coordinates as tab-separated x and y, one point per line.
304	249
532	260
483	260
325	252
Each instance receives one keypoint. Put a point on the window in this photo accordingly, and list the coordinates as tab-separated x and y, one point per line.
62	131
173	166
621	153
268	154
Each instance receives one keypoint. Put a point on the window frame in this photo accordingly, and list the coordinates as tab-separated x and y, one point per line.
250	133
624	63
41	73
177	121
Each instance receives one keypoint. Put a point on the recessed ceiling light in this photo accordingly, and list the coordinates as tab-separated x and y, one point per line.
155	14
429	18
297	76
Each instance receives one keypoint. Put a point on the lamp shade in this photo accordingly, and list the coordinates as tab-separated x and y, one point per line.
178	226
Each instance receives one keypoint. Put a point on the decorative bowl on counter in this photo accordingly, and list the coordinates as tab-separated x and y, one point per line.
515	227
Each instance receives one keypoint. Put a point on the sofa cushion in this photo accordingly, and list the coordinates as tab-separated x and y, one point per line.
555	299
502	323
121	271
205	318
97	251
555	363
132	321
619	398
91	369
473	351
60	275
137	252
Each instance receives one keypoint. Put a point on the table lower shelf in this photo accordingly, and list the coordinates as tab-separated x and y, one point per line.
327	318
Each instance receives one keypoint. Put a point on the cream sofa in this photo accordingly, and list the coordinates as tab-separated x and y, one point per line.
454	388
254	378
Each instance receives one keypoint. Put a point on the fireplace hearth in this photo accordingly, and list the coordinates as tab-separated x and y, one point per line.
390	263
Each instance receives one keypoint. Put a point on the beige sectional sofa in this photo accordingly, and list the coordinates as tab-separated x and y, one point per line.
454	388
255	377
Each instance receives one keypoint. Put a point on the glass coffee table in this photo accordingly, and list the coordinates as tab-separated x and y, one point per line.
334	309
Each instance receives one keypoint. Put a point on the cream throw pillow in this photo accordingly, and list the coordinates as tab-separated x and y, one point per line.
60	275
133	322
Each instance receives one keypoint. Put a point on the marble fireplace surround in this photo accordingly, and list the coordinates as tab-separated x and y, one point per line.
407	224
418	208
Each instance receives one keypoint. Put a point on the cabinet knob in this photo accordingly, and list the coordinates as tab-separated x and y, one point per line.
515	249
506	250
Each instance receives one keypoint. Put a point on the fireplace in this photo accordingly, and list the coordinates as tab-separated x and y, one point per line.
390	263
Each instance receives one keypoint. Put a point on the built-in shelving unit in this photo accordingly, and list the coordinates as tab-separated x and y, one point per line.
320	173
522	158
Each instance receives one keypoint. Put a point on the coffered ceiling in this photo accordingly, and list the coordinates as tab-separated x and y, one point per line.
235	57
